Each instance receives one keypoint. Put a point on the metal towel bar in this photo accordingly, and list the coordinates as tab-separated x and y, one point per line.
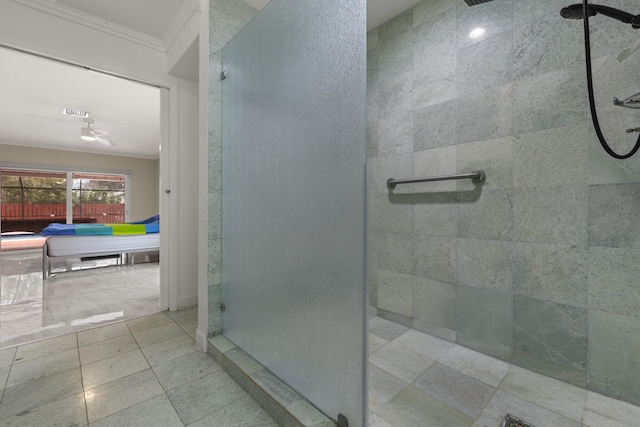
477	177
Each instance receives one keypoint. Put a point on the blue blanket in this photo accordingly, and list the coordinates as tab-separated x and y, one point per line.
147	226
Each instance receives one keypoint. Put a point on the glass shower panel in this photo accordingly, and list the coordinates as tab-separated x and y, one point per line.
293	249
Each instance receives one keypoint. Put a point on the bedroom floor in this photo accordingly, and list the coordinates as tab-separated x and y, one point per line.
33	309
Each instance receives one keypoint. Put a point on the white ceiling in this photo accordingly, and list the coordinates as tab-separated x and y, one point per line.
34	91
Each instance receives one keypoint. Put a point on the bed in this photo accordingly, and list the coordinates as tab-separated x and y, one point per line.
97	240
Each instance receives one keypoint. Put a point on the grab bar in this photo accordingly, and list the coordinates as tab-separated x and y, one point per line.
477	177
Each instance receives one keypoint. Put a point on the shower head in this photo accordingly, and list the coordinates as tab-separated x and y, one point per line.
576	11
475	2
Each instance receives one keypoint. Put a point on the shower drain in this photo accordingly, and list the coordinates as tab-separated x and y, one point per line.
511	421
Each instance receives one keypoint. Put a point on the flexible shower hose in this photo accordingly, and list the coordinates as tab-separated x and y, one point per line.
592	102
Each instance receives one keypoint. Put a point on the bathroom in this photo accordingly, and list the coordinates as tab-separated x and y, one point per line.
536	266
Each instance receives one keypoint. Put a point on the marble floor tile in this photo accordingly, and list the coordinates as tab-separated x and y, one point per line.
115	367
204	396
148	322
102	333
185	369
38	392
46	348
602	411
181	316
504	403
158	334
32	309
460	391
21	372
375	342
477	365
68	411
7	356
412	408
157	411
168	350
386	329
107	348
114	396
424	344
244	412
382	388
4	374
401	362
554	395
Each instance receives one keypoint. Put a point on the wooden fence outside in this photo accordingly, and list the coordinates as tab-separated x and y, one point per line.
102	213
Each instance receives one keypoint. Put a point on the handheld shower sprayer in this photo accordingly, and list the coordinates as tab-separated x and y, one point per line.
584	11
576	11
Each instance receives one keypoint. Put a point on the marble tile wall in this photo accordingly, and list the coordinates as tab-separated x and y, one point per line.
538	266
226	18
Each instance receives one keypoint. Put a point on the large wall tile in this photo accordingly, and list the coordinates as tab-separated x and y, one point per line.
485	314
614	212
537	51
485	264
559	371
488	217
436	258
395	27
395	135
495	18
614	388
434	302
550	100
394	95
395	56
485	65
388	217
550	331
493	156
551	158
427	9
550	215
614	284
435	214
551	273
435	162
440	27
614	346
395	292
429	91
395	253
397	167
434	126
485	114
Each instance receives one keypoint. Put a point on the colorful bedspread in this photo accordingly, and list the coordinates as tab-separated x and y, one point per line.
151	225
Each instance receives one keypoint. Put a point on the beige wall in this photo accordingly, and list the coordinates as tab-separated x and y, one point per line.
144	172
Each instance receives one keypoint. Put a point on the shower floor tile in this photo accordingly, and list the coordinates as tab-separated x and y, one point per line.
462	387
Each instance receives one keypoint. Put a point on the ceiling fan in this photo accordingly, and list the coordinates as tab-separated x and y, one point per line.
90	134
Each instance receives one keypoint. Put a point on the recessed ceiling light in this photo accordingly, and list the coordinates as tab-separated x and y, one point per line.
478	32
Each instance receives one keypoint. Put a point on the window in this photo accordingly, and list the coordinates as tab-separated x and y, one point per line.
32	199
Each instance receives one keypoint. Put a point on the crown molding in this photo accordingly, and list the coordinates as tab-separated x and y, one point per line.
53	8
189	8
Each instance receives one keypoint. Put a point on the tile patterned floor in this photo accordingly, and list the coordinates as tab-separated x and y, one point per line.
142	372
32	309
419	380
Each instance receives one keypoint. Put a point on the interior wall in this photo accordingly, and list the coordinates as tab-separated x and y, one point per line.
538	266
54	36
144	172
226	18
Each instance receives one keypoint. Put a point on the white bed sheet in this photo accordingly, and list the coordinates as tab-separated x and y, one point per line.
58	246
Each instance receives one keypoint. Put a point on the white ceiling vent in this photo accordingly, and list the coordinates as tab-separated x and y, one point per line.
77	113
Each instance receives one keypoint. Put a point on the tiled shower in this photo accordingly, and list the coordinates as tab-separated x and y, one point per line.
538	266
